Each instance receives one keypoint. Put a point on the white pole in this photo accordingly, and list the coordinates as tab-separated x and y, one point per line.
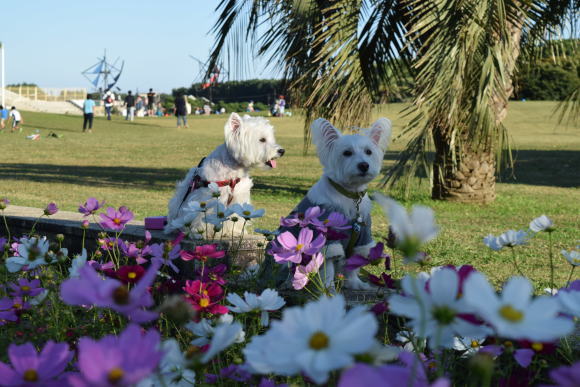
2	80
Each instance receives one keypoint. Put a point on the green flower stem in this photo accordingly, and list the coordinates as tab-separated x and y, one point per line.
34	225
570	276
516	262
6	225
552	282
83	242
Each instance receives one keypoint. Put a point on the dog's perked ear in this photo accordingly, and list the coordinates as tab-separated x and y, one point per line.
324	134
234	125
380	133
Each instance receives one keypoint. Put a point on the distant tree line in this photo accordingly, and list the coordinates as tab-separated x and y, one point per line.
551	74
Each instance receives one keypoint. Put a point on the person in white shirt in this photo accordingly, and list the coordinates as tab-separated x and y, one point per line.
16	119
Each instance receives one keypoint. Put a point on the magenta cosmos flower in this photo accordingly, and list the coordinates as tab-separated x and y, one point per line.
203	253
24	287
90	289
292	249
91	207
117	361
116	219
335	221
302	273
30	367
50	209
375	256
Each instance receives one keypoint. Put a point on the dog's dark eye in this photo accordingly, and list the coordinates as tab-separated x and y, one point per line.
369	152
347	153
262	139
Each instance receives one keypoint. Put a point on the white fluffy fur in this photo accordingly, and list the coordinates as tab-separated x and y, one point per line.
249	142
345	170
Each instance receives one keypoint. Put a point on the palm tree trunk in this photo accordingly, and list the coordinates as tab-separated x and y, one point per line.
462	172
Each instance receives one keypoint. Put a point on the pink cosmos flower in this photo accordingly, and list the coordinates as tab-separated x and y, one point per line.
91	207
212	274
205	297
29	367
50	209
384	280
301	275
523	356
302	219
203	253
292	248
375	256
119	361
24	287
566	376
116	219
90	289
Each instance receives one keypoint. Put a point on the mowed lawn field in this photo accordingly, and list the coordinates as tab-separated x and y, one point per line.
137	164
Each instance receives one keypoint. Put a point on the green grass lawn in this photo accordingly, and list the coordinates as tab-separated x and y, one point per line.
137	164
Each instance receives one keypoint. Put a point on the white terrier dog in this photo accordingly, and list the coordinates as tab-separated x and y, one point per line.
350	163
249	142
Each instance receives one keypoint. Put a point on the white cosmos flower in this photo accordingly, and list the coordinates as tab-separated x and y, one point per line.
269	300
512	238
572	256
468	345
542	223
247	211
434	314
515	314
172	370
205	330
219	214
78	261
224	335
492	242
32	253
569	301
214	189
411	229
315	339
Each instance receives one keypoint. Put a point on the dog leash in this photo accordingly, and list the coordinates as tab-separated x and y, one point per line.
358	222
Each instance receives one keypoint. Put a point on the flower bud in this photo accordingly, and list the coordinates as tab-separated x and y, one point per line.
177	310
60	237
85	224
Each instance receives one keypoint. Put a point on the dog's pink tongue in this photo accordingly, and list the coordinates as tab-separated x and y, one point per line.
273	163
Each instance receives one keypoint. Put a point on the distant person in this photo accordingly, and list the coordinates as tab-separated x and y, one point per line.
3	116
16	119
281	105
130	103
108	100
181	111
223	110
88	110
150	102
139	103
206	109
250	108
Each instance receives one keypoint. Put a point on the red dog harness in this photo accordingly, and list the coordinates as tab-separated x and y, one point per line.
198	182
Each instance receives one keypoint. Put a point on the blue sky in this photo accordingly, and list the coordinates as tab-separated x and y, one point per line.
51	42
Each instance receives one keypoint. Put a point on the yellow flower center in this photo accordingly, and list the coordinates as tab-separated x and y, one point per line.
247	213
319	340
511	314
30	375
221	214
204	302
537	346
17	306
474	344
326	221
117	221
508	344
121	295
115	375
576	261
132	275
25	289
299	247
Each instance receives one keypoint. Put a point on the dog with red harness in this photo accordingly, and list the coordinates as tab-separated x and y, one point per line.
249	142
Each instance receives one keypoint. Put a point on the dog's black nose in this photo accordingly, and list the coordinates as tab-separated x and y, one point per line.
281	151
363	167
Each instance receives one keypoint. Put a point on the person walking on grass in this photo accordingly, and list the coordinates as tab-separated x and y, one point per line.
108	104
3	117
150	103
88	110
130	103
16	120
181	111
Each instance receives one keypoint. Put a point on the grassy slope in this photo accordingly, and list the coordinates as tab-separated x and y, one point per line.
137	164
